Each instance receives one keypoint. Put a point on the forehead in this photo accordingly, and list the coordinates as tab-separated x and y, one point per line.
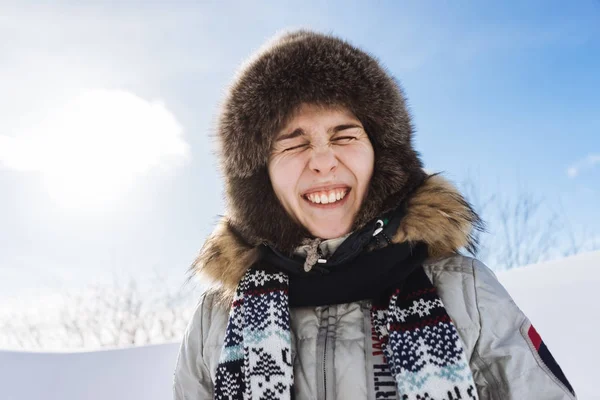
312	114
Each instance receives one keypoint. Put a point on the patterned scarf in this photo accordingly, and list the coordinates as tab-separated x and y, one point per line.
421	344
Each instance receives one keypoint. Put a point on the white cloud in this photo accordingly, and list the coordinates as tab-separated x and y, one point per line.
582	165
95	145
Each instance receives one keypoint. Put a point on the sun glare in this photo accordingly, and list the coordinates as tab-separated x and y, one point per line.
94	147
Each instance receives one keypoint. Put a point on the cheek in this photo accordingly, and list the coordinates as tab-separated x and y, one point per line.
284	174
360	162
369	166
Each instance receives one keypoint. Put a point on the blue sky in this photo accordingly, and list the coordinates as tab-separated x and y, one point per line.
505	92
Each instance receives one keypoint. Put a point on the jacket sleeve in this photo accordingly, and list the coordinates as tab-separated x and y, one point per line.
515	362
192	380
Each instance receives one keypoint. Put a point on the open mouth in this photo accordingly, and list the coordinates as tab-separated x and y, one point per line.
323	197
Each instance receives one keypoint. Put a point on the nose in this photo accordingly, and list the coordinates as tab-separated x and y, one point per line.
323	159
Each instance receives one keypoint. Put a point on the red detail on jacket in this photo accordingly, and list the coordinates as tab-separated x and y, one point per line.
534	337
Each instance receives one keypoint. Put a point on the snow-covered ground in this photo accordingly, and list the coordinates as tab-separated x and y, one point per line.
142	373
557	296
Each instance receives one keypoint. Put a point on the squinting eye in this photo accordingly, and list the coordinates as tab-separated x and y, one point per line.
296	147
344	139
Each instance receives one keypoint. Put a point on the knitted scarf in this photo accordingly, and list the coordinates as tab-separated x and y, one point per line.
421	344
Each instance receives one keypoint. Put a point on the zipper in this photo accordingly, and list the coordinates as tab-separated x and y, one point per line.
322	341
322	355
325	368
326	353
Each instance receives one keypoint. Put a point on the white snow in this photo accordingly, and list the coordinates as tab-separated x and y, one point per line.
144	373
557	296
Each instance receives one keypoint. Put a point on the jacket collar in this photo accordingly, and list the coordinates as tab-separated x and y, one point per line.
435	214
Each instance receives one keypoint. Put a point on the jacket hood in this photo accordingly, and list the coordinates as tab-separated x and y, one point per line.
293	69
436	214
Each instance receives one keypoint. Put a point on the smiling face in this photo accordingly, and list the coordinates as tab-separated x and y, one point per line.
320	167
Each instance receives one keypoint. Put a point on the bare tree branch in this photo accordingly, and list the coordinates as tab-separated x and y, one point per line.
119	314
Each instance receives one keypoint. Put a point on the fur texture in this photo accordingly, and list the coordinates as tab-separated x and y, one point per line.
439	216
307	67
436	214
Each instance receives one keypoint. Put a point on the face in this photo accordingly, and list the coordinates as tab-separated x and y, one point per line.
320	167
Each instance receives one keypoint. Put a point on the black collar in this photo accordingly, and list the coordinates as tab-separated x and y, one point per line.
369	276
375	235
366	266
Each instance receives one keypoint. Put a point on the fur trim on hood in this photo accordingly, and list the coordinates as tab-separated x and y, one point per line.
436	214
307	67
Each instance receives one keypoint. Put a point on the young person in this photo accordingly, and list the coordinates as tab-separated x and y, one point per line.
336	271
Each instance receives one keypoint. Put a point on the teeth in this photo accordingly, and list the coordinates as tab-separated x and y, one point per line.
326	197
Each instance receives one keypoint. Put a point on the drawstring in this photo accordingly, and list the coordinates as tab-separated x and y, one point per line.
312	253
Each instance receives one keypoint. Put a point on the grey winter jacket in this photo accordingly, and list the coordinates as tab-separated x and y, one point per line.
335	355
333	347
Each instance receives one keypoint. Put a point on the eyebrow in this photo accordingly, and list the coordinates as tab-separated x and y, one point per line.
294	134
300	132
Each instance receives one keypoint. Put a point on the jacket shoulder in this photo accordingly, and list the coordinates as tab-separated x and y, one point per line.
212	315
496	333
200	349
454	278
456	263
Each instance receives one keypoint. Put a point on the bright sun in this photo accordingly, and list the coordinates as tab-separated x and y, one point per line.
90	150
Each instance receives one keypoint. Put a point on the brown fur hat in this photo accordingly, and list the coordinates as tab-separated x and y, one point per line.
308	67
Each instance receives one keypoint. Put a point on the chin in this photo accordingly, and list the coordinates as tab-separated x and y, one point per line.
328	233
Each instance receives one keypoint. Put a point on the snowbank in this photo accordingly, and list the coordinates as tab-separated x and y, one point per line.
142	373
557	297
